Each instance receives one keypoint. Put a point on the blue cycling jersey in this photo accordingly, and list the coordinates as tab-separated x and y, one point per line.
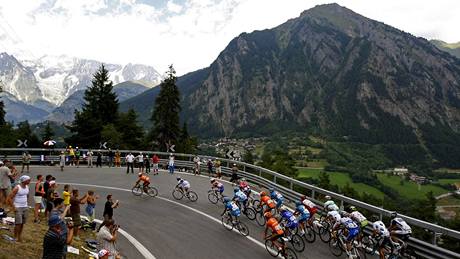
276	196
303	211
233	208
241	196
290	219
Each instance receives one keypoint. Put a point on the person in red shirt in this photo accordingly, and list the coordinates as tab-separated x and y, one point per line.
145	181
277	231
155	161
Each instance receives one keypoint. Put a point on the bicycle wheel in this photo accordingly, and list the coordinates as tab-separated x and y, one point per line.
271	248
250	213
137	190
256	205
227	222
368	245
335	247
297	243
324	235
242	228
260	219
152	191
289	253
177	194
309	235
192	196
212	197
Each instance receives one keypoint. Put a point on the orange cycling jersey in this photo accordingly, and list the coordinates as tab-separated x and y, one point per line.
266	200
146	179
275	226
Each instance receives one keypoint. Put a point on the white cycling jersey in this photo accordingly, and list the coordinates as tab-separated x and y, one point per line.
347	222
308	203
402	227
357	216
335	215
381	228
330	205
184	184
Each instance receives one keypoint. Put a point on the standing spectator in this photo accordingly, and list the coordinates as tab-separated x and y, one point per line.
210	167
147	163
155	161
59	210
109	206
99	159
117	158
218	167
38	197
110	155
25	161
14	173
62	160
75	203
129	163
66	195
197	162
50	196
90	158
71	156
55	242
46	186
234	178
18	200
140	161
91	205
107	236
171	163
77	156
5	183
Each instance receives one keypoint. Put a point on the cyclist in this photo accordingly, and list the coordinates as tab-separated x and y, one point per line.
330	205
183	185
265	200
145	181
303	215
380	230
399	229
216	185
357	217
240	197
333	216
351	229
277	197
311	207
244	186
288	218
276	229
232	208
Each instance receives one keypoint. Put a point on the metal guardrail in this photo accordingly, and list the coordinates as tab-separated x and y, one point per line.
258	175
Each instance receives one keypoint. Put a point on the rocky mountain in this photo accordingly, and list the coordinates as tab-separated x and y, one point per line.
65	112
452	48
17	111
334	72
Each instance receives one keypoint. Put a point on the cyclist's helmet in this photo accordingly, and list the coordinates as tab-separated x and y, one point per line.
268	215
236	190
374	218
178	179
304	197
226	199
213	180
181	180
298	203
343	214
243	179
327	197
271	190
393	215
263	193
139	174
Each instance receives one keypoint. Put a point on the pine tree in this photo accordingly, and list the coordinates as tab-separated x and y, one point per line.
47	133
24	132
2	109
100	108
186	143
165	116
131	133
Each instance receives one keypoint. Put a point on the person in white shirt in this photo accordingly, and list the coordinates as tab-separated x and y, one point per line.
171	163
381	231
90	158
18	200
140	161
129	163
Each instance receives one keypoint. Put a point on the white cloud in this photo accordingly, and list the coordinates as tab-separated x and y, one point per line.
188	34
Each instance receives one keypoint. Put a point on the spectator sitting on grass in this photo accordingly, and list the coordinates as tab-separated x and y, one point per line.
54	242
107	236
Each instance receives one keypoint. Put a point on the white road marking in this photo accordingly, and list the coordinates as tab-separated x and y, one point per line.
168	200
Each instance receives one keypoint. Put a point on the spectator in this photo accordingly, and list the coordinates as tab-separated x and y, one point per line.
62	160
110	155
75	203
155	161
14	172
234	178
66	195
140	160
50	196
38	197
46	186
77	156
60	210
117	158
71	156
18	200
197	162
25	161
171	163
54	242
99	159
147	163
210	167
5	183
107	236
129	163
91	205
90	158
109	206
218	167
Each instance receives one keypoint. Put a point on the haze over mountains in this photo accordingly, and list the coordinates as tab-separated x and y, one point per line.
44	84
330	71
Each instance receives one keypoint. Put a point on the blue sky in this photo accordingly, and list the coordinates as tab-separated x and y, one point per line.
188	33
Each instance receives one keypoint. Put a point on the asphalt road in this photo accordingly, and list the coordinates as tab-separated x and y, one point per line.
166	227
